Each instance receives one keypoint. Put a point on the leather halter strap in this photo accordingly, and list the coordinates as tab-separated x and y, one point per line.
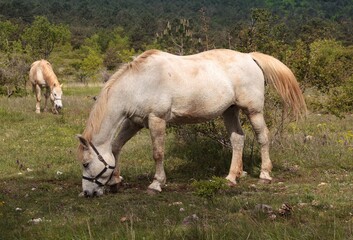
106	167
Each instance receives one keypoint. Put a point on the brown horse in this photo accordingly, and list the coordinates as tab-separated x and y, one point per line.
159	88
41	76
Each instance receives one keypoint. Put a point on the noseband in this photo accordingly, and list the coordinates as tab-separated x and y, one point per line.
56	98
106	167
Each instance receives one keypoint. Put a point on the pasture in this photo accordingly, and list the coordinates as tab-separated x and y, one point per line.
311	196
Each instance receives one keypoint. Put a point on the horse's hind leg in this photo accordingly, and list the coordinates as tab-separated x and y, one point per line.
128	130
38	97
262	134
232	124
157	128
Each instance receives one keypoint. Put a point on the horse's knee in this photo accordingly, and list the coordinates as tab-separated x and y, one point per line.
263	138
158	155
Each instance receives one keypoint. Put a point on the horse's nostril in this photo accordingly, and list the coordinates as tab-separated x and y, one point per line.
95	194
85	193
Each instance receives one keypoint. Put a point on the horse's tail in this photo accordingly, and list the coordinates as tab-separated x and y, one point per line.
283	80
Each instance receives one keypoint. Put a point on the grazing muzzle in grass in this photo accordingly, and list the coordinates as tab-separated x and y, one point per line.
94	176
55	97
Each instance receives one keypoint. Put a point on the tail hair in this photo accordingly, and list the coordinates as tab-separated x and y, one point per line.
283	80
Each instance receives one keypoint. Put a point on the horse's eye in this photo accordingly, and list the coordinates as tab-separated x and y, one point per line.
54	94
85	165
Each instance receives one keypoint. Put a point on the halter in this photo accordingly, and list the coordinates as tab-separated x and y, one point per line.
106	167
55	98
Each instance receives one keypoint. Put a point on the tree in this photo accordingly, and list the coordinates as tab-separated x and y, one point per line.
205	28
118	50
331	72
13	62
6	35
41	37
178	38
91	64
92	60
263	33
297	57
329	64
13	74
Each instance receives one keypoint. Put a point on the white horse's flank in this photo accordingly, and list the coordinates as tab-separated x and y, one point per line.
159	88
42	75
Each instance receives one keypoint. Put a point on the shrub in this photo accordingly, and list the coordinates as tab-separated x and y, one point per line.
209	188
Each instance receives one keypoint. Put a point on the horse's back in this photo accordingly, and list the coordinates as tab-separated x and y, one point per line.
40	71
195	87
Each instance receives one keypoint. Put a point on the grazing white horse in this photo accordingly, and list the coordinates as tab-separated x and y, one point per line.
159	88
42	75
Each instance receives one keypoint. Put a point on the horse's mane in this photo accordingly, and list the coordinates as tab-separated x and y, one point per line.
48	73
98	112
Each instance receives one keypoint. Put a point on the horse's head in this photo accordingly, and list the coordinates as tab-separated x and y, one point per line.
98	168
55	96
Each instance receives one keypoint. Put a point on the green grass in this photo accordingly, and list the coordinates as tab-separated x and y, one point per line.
41	178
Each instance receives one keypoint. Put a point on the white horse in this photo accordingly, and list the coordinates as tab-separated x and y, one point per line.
159	88
42	75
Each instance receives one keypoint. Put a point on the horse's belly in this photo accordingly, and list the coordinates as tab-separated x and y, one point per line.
196	113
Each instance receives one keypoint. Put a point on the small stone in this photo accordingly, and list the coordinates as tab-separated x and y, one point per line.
190	219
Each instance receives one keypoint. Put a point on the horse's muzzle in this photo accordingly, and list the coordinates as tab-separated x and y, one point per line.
58	107
93	194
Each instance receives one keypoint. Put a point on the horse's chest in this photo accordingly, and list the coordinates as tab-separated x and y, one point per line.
40	79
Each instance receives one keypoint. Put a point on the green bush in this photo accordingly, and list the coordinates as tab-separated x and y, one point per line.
209	188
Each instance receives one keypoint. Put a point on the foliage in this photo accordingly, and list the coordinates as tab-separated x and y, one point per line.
209	188
340	99
41	37
118	49
312	37
330	64
177	37
8	30
90	65
13	74
92	60
262	34
297	57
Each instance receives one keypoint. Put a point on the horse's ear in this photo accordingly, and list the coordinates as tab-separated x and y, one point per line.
54	85
83	141
61	85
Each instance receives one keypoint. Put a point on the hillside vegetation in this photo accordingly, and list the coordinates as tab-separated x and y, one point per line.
87	40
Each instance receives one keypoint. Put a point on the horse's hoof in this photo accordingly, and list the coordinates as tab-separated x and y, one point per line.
152	192
264	181
231	183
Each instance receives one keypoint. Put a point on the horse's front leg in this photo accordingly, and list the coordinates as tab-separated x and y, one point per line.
38	97
157	128
128	130
232	124
46	95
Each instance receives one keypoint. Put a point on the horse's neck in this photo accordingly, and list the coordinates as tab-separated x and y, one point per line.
110	124
52	82
50	77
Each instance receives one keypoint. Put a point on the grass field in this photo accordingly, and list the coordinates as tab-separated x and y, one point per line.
40	180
